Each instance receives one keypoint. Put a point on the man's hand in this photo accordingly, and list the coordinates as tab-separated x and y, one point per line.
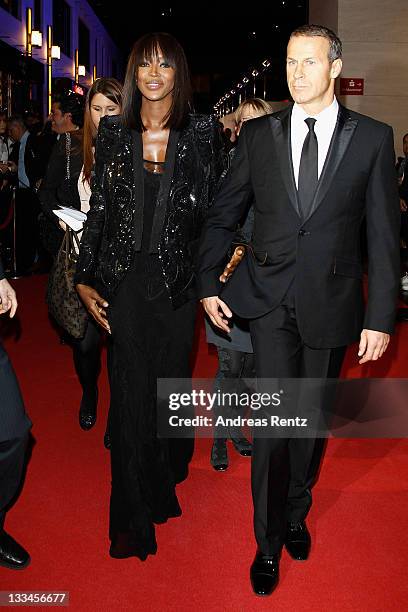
218	312
94	304
373	345
12	166
403	205
8	299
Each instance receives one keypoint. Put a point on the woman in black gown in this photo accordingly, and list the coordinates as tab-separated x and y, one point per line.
157	167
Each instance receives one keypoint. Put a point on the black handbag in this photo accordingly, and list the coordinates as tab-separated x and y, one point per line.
63	301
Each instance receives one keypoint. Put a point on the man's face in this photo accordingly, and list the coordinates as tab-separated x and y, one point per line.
310	74
405	146
59	121
15	131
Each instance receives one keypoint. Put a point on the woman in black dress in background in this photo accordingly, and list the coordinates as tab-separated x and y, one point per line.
156	171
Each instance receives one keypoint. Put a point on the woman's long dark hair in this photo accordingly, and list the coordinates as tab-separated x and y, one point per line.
112	89
148	48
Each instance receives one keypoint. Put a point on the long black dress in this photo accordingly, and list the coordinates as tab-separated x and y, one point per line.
149	339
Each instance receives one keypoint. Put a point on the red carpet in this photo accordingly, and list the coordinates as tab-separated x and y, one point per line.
358	521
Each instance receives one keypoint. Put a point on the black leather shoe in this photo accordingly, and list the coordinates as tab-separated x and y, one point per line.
298	541
12	555
219	455
264	573
242	446
87	410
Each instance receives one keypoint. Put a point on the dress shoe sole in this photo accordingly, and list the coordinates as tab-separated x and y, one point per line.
220	468
15	567
245	453
297	558
264	594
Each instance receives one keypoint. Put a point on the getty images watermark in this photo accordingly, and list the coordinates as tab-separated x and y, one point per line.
223	401
267	410
282	408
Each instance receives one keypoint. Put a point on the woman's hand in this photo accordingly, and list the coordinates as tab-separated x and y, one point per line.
95	305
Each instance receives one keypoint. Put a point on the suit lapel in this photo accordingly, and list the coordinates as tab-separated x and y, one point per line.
280	126
342	135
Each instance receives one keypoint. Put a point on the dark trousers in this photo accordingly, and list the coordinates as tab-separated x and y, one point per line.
12	454
283	470
27	240
233	366
87	356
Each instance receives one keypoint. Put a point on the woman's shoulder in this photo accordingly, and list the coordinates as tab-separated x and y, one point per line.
206	132
111	133
203	123
203	128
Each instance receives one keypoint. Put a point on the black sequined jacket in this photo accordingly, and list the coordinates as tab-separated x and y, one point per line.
195	160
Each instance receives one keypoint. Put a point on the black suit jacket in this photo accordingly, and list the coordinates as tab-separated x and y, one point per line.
14	422
55	188
31	159
322	253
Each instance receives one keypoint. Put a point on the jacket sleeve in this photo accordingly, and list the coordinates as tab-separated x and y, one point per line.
219	160
2	275
383	226
54	177
229	205
94	225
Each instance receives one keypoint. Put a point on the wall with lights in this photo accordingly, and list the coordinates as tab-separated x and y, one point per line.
375	44
103	58
253	84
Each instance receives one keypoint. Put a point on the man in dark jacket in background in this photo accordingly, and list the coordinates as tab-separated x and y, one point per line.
14	430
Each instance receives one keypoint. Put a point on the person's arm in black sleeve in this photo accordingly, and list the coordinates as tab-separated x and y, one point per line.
229	205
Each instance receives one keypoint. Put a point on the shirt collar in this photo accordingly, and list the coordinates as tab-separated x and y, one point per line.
24	137
330	111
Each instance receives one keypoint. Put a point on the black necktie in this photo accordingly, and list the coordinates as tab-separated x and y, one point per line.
308	173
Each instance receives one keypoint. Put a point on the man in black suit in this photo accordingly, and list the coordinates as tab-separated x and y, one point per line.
14	429
24	163
315	170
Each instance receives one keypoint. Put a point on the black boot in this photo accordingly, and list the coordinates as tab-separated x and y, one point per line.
219	455
87	410
242	445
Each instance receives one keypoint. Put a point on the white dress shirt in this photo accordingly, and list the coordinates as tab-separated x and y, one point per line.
22	176
324	128
84	191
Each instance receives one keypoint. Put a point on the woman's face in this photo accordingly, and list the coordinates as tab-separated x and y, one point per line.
249	113
101	106
155	78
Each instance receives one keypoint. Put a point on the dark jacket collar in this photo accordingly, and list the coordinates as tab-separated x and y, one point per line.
342	135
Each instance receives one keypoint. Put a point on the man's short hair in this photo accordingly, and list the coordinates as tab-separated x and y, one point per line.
335	45
73	103
18	119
